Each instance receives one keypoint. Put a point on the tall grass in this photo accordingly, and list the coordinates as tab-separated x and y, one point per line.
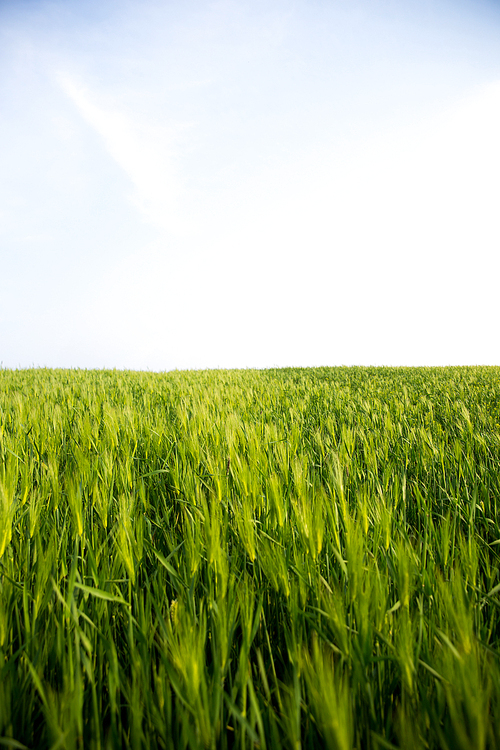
235	559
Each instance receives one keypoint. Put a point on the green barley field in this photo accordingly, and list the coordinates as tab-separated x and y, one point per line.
292	558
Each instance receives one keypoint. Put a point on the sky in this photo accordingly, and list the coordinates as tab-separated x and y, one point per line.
249	183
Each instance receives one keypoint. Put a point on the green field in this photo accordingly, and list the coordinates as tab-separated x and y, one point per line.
295	558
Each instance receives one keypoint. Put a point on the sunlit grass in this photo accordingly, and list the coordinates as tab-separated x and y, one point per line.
282	558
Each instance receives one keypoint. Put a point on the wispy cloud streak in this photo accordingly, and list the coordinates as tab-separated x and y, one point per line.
145	152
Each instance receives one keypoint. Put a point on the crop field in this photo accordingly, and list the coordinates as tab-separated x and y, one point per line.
294	558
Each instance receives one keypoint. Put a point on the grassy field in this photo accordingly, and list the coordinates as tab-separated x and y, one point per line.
297	558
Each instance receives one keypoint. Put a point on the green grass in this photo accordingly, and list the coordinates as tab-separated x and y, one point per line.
297	558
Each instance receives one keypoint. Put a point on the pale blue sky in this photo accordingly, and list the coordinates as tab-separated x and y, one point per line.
249	184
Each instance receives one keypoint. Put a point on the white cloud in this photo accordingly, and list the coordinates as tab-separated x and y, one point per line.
146	151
